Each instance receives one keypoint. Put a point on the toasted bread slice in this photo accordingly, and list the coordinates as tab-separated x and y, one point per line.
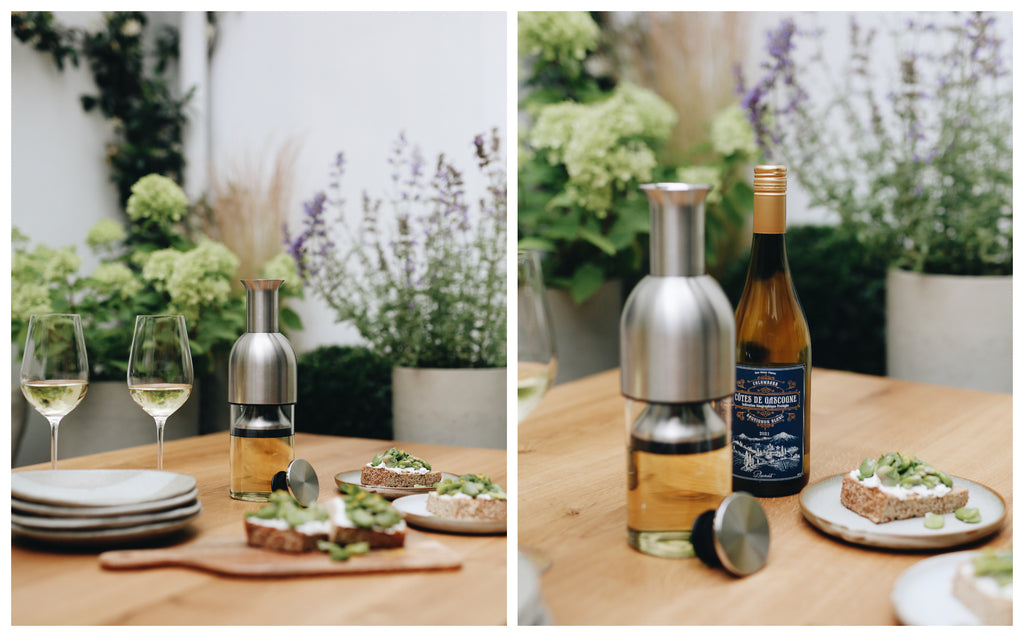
384	477
881	507
277	538
378	539
465	508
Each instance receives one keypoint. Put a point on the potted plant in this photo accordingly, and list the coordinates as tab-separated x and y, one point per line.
423	280
153	265
919	170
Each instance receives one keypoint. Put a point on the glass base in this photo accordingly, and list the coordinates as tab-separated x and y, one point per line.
251	496
675	544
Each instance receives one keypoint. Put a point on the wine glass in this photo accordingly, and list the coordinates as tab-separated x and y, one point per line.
538	362
160	370
54	369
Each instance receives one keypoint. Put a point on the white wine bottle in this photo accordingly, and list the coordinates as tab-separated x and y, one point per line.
771	433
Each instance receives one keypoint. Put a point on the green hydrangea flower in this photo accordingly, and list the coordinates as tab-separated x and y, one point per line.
59	264
116	278
200	277
158	199
282	267
105	232
159	266
731	133
709	175
604	145
28	298
561	37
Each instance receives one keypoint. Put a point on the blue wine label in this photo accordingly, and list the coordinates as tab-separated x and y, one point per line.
768	423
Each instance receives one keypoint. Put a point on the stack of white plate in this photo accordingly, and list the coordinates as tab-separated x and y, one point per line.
101	506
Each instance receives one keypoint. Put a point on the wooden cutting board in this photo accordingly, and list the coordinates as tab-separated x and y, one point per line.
232	556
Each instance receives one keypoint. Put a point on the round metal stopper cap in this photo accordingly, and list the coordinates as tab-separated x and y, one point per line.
299	480
735	536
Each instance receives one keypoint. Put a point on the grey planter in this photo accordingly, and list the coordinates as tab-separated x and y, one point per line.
950	330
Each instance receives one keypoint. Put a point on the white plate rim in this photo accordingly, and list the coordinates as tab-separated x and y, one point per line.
354	477
842	523
934	574
110	522
105	536
55	510
414	509
78	486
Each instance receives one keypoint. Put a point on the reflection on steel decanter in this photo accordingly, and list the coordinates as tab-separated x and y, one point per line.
677	340
262	392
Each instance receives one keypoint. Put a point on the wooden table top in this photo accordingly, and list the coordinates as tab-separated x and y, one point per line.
51	586
576	442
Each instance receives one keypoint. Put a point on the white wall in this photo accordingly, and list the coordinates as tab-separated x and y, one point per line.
351	82
60	183
343	81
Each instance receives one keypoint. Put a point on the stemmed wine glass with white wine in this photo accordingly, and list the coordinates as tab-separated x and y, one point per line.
160	370
54	369
538	361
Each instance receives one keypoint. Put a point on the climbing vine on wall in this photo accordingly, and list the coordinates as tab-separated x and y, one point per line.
132	88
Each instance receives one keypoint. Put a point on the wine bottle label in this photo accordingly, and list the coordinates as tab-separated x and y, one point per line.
768	423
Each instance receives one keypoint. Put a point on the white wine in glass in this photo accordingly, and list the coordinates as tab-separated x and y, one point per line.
538	362
160	370
54	369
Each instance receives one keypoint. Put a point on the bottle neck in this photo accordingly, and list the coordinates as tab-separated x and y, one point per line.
769	212
768	255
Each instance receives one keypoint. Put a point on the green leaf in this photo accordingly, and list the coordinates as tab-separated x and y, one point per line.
536	243
586	280
598	241
289	318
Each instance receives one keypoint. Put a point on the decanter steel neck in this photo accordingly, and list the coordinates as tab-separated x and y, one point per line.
677	228
261	304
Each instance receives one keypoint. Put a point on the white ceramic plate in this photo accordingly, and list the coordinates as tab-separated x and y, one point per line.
103	536
354	477
54	510
98	487
821	507
923	594
109	522
414	509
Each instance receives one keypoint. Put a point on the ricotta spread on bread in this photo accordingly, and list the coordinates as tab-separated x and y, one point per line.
898	486
469	497
398	469
984	584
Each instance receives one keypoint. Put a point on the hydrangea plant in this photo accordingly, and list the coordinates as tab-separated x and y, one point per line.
588	144
424	280
151	267
582	157
918	165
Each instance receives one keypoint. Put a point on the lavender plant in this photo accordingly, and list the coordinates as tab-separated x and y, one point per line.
425	285
918	167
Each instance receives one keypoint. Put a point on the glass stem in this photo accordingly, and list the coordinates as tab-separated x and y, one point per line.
160	442
54	423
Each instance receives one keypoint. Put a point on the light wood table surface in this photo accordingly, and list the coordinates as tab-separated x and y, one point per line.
70	587
572	505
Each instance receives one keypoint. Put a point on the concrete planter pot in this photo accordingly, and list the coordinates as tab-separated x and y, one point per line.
586	335
459	407
950	330
106	419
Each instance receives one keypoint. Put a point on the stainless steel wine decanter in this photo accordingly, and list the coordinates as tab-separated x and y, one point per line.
262	392
677	346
